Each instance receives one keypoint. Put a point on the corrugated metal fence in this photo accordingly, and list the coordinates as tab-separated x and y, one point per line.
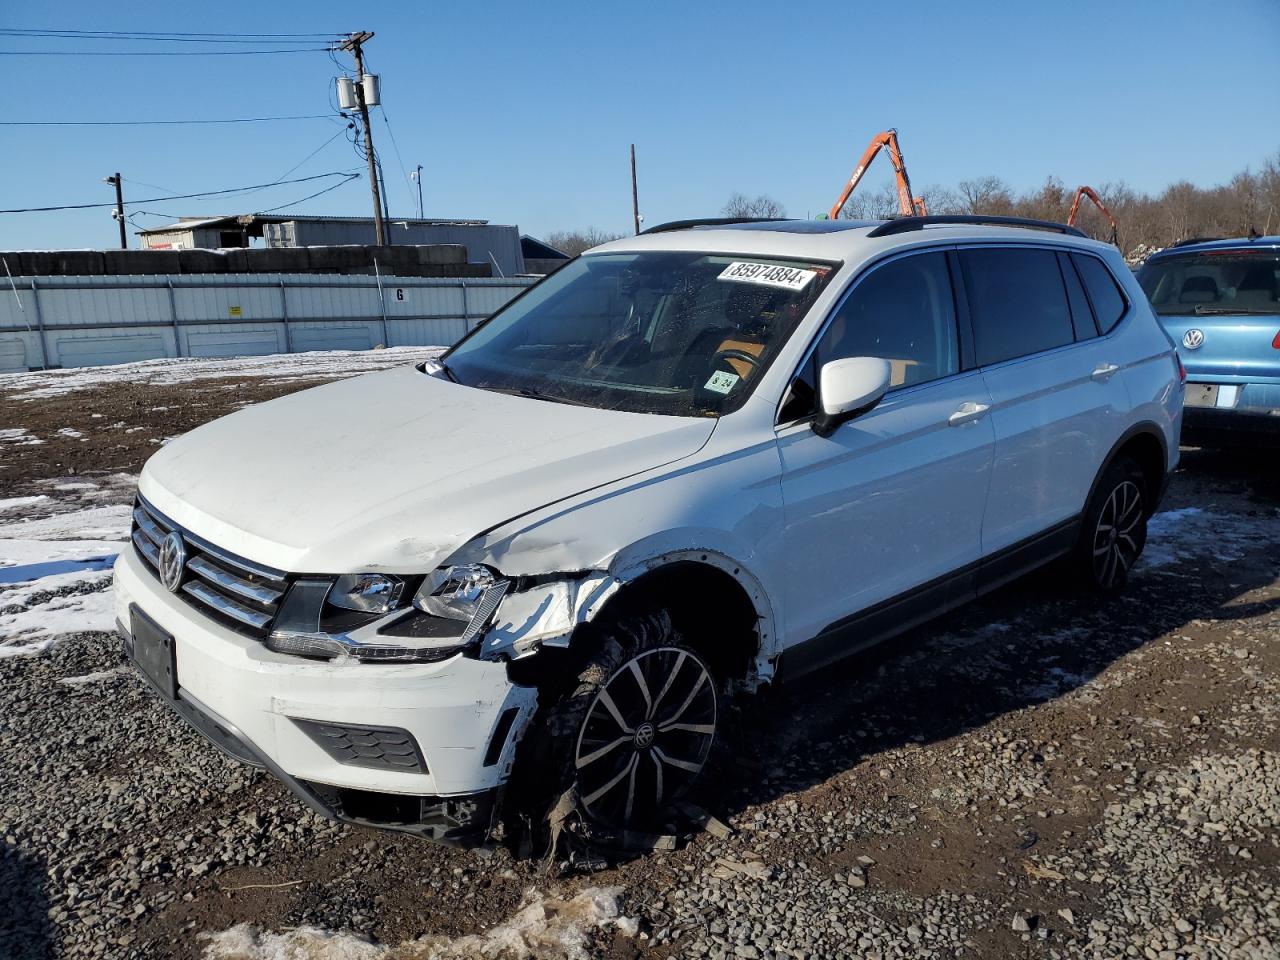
83	321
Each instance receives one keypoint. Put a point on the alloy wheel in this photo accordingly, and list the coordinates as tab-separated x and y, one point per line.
646	735
1115	539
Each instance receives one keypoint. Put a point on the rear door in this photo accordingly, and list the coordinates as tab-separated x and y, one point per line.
1057	404
892	500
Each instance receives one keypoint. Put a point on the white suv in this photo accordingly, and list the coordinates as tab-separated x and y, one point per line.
701	460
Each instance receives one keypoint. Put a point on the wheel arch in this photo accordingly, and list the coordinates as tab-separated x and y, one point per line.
1145	442
719	606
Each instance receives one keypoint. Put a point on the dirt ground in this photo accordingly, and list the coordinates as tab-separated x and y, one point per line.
1039	774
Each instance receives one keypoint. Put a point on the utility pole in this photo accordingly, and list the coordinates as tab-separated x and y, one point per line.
635	193
352	45
417	176
118	213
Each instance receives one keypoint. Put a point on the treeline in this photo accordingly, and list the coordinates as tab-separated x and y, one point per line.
1249	202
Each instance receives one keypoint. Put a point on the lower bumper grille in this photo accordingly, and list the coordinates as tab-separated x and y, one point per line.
235	592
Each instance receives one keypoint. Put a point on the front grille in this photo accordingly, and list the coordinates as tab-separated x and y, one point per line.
236	593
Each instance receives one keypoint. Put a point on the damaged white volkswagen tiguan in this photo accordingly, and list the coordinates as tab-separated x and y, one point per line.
692	463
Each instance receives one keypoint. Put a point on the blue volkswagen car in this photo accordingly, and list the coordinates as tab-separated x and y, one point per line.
1220	302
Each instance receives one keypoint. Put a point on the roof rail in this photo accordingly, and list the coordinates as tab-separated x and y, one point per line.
711	222
1183	243
907	224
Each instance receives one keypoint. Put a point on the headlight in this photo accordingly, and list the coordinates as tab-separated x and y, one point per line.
366	592
456	593
334	617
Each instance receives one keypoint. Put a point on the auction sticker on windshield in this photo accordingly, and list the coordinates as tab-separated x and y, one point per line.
768	275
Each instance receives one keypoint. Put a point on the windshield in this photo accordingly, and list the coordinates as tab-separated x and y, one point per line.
682	334
1226	281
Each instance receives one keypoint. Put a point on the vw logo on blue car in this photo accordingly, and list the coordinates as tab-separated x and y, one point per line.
173	560
1193	338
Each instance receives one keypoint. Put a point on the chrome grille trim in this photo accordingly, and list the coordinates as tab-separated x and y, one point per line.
226	606
237	593
230	583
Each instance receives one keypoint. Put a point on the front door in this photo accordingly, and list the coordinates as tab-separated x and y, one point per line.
892	501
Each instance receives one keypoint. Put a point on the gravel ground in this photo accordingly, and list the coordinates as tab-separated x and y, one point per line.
1039	775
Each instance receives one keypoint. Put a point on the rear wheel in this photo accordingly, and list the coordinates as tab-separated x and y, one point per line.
1114	528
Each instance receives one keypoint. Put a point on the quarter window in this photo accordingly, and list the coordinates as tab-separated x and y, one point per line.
1108	302
1017	302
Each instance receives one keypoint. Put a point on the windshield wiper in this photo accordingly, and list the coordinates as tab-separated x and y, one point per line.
535	395
1202	310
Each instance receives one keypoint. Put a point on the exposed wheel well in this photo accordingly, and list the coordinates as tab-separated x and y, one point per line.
1149	454
708	607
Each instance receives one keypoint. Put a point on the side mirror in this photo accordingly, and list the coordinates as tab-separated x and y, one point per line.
849	388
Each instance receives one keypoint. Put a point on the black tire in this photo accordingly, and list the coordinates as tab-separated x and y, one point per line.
625	741
1113	530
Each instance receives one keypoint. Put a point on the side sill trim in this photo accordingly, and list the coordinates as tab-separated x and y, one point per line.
889	618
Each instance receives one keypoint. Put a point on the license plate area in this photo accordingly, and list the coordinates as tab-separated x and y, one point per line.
153	652
1201	395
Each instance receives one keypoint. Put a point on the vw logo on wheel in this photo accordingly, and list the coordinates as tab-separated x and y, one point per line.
173	561
1193	338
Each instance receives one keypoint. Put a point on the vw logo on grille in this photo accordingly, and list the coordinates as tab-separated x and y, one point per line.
173	561
1193	338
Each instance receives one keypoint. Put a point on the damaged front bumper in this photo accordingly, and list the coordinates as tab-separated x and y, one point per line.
421	748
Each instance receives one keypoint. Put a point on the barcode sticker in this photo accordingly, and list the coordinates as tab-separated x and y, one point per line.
768	275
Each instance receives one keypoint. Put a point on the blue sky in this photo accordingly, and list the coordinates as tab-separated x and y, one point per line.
523	113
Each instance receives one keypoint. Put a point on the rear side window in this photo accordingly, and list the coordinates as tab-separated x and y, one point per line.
1108	302
1017	302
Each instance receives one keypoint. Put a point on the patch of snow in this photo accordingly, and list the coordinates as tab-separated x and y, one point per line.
19	436
55	576
543	928
14	502
58	605
96	677
73	434
277	368
1192	533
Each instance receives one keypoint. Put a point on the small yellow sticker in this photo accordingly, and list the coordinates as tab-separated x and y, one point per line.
235	312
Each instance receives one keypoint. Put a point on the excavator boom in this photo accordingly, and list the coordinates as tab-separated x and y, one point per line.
1081	193
908	205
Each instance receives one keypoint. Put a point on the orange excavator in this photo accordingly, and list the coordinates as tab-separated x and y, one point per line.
908	205
1081	193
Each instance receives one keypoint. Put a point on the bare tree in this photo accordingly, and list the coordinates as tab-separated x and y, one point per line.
989	195
743	207
574	242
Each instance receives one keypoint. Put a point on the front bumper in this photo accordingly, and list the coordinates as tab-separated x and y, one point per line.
464	717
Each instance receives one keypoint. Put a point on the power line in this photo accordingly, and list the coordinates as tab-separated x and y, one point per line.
185	196
155	53
169	35
314	152
152	123
294	203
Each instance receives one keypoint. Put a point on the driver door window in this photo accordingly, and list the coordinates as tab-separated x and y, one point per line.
903	312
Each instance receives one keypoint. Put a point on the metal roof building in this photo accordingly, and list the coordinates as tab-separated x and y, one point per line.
494	244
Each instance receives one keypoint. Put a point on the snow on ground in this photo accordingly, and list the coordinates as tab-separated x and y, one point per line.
14	503
55	570
18	436
541	930
1195	533
280	367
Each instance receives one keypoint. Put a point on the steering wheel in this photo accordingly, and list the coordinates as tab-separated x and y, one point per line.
732	354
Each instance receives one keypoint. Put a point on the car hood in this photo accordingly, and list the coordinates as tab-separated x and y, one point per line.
394	471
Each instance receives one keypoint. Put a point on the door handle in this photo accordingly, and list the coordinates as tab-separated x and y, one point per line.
1104	371
968	412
